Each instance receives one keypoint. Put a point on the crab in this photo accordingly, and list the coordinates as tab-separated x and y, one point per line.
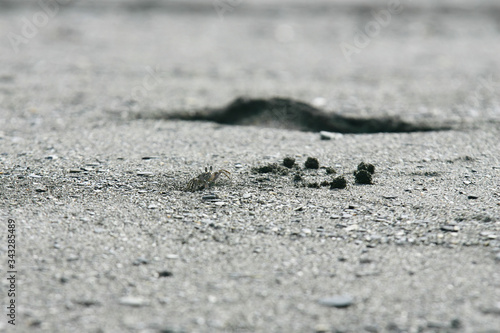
205	179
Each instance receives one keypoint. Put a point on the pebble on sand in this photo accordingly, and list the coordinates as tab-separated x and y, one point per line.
325	135
337	301
450	228
210	196
144	173
165	273
40	189
133	301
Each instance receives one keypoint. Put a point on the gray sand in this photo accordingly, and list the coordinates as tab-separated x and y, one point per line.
108	241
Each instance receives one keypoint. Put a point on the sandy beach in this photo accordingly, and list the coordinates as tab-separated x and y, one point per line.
93	172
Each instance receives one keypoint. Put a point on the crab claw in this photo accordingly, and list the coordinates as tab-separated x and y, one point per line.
220	172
